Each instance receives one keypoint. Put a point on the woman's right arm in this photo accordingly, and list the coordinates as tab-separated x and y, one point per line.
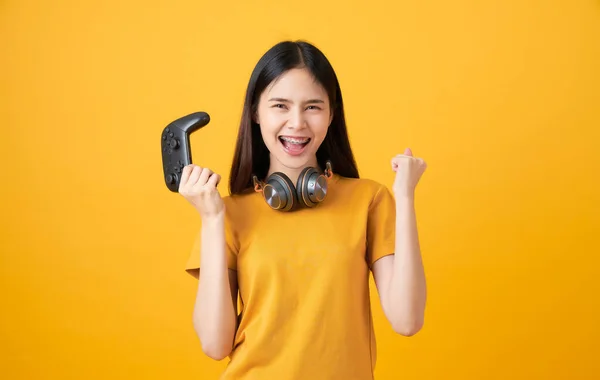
215	309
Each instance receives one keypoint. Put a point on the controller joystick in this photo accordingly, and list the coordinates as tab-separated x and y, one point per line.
175	146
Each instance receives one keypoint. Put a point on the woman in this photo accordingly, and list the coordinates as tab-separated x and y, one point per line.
301	260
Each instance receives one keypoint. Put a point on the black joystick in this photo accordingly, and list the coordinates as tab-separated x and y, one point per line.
175	146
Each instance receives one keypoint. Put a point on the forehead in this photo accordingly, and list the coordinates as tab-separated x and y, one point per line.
296	83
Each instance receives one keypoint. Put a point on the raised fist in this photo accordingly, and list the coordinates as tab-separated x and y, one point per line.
199	187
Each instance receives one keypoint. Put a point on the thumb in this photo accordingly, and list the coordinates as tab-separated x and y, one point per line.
408	152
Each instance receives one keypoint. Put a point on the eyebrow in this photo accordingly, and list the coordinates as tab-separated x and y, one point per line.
283	100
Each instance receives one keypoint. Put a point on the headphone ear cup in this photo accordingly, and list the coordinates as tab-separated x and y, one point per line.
279	192
311	188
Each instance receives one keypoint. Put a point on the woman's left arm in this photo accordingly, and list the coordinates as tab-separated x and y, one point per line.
400	278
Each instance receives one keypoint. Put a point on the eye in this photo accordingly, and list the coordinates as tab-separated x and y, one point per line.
279	105
314	108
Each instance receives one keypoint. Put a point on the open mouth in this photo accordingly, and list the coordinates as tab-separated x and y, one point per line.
294	145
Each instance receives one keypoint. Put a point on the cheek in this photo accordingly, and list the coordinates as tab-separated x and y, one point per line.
320	127
268	135
269	125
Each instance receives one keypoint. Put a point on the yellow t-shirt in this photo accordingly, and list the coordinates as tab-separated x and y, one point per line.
303	278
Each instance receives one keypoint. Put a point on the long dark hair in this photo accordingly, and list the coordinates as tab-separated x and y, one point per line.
251	155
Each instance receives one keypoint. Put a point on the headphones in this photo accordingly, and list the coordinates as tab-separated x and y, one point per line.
280	193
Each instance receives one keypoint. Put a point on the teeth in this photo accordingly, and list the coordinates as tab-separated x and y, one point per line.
293	140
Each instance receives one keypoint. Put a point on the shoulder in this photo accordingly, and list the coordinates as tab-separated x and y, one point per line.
239	207
361	187
359	196
246	200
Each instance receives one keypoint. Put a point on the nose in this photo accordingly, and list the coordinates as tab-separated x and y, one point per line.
296	120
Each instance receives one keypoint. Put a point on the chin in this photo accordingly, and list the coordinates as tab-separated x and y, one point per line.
293	162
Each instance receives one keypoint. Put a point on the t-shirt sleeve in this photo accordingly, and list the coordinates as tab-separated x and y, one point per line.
231	249
381	226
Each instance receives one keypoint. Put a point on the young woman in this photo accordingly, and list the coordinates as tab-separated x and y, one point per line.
299	233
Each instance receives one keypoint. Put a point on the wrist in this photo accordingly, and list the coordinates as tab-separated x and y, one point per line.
403	195
212	220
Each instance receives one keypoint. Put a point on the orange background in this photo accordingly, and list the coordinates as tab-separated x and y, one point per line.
501	98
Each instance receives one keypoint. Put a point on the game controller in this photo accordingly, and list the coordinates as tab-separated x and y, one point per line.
175	146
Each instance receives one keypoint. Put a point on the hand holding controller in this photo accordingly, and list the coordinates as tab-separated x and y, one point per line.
175	146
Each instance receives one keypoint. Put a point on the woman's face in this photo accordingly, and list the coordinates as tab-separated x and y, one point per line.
294	115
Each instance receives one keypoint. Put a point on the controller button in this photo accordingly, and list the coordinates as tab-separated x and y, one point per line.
164	137
171	178
168	130
171	134
173	143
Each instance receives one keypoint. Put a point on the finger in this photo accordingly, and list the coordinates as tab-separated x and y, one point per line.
185	174
206	172
396	160
408	152
195	175
214	180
